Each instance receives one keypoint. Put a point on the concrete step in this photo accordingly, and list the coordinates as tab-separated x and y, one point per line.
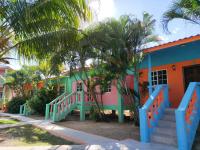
169	111
164	139
169	117
165	131
166	123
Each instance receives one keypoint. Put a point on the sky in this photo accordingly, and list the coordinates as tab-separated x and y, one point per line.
115	8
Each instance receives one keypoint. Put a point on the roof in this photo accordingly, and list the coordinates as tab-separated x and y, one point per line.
173	43
5	66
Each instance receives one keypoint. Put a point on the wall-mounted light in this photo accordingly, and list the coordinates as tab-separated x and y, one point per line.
173	67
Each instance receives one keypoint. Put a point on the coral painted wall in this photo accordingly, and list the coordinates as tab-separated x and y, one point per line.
175	80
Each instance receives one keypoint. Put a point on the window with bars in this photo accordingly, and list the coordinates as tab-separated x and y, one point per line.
159	77
79	87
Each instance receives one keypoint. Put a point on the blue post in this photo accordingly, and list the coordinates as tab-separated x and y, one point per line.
21	109
55	109
82	109
166	96
149	74
181	130
144	130
198	98
47	111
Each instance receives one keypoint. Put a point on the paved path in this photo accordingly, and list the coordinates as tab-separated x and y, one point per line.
89	141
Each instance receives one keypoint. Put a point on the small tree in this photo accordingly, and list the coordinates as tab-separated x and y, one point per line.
17	79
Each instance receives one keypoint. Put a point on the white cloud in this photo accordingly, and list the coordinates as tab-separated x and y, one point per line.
102	9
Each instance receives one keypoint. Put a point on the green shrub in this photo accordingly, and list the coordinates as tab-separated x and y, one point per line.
94	115
38	102
14	104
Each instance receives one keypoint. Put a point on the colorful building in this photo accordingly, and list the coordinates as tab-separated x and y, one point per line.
111	99
5	91
171	107
176	64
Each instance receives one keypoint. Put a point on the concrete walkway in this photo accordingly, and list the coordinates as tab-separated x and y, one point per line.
89	141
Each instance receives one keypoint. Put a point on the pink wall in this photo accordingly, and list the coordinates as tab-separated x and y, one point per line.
2	71
109	98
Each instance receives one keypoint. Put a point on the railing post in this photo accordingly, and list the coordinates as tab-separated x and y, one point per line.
21	109
24	113
144	131
55	109
47	111
82	109
76	97
166	96
198	98
181	130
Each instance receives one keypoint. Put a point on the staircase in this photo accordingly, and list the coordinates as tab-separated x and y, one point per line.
165	132
196	144
60	107
179	128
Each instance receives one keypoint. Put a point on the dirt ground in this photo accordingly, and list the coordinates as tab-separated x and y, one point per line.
112	129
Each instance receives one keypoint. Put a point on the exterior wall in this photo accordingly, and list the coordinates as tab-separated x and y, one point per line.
180	56
175	80
109	98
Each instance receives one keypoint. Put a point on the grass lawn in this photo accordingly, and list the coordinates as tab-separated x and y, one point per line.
29	135
8	121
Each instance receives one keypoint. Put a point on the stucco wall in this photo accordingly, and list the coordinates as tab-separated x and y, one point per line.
175	79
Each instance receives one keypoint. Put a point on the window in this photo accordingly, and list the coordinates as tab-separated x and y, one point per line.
107	88
79	87
1	95
62	89
159	77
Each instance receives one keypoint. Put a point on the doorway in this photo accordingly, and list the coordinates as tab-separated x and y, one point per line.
191	74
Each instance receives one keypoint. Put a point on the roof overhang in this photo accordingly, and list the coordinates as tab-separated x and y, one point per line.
172	44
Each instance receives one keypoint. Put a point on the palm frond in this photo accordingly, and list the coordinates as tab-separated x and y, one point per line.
182	9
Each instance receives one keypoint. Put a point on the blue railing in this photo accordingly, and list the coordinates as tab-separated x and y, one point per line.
187	116
152	111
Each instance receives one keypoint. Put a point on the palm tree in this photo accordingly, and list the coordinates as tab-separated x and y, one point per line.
114	45
42	26
182	9
120	43
5	44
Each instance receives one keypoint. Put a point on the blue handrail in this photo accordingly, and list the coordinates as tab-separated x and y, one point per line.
187	116
145	129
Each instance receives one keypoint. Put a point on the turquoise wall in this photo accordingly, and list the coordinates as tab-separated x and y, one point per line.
174	54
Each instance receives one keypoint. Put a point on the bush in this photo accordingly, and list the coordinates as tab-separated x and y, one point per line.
38	102
14	104
94	115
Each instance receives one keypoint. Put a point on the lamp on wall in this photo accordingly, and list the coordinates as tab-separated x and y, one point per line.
173	67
